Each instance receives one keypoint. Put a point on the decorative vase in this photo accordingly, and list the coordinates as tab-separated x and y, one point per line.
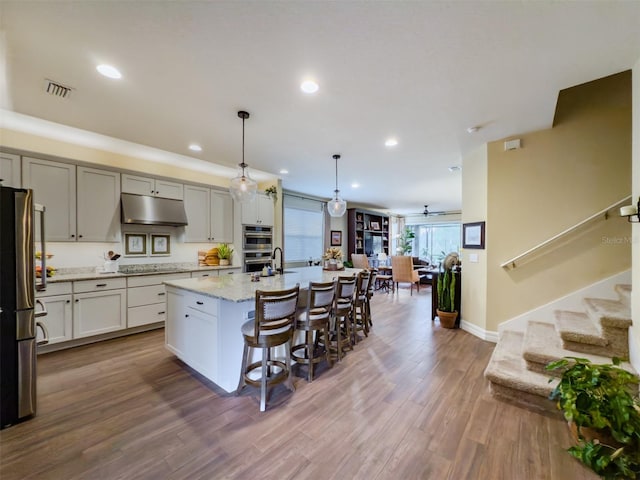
224	261
447	319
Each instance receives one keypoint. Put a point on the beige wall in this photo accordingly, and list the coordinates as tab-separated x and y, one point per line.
634	337
50	147
559	177
474	209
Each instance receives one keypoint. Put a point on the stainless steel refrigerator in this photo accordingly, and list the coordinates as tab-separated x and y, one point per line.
17	304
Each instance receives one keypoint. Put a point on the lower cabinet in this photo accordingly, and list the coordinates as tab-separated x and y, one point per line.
146	298
59	320
100	312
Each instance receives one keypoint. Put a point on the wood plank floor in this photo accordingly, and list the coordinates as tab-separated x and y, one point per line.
409	402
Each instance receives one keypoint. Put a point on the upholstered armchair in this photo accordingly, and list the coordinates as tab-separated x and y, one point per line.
403	272
359	260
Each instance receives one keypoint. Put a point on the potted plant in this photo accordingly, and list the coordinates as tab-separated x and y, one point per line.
405	242
333	259
272	192
446	289
224	253
601	405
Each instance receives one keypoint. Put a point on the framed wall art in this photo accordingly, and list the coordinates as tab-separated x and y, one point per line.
336	238
135	244
160	244
473	235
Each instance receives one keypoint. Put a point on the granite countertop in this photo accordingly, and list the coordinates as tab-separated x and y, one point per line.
240	288
90	273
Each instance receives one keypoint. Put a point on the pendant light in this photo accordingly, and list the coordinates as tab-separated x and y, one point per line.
336	206
243	188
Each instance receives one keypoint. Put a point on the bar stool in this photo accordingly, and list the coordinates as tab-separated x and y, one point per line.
341	316
271	327
359	317
370	289
315	320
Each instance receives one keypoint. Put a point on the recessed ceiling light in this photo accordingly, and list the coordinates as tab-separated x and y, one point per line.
355	185
455	168
473	129
195	148
284	171
309	86
391	142
109	71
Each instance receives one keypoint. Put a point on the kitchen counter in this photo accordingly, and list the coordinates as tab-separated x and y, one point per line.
89	273
240	288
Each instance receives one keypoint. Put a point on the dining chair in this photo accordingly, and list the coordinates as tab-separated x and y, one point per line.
314	321
359	260
273	326
403	272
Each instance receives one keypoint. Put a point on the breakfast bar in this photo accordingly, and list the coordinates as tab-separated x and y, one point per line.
205	316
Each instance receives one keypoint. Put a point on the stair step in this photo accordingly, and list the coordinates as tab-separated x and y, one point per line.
510	379
580	334
609	313
542	345
624	292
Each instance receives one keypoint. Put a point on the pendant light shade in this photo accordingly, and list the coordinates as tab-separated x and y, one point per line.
336	206
243	188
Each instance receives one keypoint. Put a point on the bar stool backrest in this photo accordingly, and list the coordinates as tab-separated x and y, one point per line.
362	284
372	282
320	299
275	310
345	289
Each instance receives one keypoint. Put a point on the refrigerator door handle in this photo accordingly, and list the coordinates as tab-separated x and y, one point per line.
43	312
42	286
45	332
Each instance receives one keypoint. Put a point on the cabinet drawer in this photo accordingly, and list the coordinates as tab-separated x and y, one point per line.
99	285
59	288
145	295
144	280
203	304
204	274
230	271
146	314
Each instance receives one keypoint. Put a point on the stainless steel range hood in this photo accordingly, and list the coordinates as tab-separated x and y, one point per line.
145	210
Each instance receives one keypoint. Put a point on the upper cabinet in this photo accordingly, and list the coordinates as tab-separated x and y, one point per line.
258	212
98	205
368	232
209	215
10	170
151	186
55	185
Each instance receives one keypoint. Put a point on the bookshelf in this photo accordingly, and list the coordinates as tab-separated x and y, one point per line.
367	232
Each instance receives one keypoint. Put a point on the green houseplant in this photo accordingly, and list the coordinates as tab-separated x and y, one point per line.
446	289
224	253
405	242
601	403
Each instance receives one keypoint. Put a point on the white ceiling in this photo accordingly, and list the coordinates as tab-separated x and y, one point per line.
422	72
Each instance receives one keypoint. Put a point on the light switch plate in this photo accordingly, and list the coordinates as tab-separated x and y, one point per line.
473	257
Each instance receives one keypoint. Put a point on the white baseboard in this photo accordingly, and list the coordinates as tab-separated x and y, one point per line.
476	331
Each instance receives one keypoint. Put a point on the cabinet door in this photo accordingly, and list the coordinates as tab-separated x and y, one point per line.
169	190
98	205
138	185
99	312
196	205
265	210
54	186
10	170
249	212
175	335
221	217
58	319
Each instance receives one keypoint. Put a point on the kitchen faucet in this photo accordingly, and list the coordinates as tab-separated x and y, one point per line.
273	257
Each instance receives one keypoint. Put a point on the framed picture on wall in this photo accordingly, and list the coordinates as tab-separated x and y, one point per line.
160	244
135	244
473	235
336	238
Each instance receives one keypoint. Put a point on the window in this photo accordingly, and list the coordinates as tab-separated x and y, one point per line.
432	240
303	229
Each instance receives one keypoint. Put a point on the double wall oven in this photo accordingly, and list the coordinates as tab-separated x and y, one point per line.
257	244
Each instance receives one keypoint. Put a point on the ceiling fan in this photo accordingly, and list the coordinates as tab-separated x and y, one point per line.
428	213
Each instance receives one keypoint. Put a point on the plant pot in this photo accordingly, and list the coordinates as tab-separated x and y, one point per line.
447	319
224	261
589	434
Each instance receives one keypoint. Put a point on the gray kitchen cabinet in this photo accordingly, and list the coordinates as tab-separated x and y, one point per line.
54	186
99	306
98	205
57	301
151	186
258	212
10	170
209	215
146	298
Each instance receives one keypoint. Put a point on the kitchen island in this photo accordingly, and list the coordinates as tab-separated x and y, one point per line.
204	317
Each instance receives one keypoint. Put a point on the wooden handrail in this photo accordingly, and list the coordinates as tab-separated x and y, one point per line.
511	263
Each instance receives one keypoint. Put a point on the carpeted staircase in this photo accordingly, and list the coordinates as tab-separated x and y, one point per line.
516	370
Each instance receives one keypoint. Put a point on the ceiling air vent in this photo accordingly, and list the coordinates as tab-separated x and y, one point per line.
56	89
